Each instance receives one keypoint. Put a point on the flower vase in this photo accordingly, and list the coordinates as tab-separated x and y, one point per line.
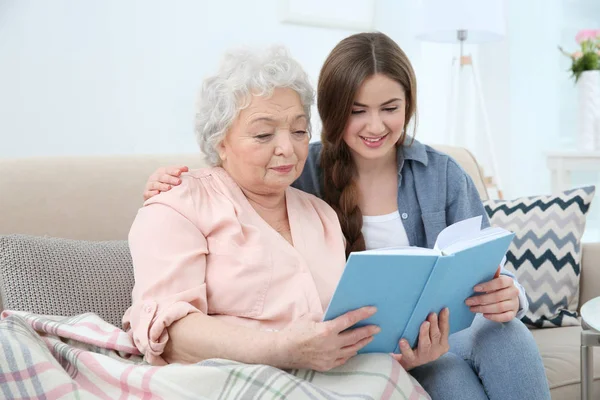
588	134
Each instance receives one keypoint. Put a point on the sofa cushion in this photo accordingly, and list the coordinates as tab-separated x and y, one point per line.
67	277
545	254
560	350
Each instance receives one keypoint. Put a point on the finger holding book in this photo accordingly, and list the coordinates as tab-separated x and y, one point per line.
500	301
432	343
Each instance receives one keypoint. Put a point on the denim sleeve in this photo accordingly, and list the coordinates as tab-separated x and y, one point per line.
463	202
523	301
310	181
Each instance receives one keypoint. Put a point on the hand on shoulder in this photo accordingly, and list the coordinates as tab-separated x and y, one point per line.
162	180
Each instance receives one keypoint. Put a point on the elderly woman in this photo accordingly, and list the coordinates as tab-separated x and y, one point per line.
234	263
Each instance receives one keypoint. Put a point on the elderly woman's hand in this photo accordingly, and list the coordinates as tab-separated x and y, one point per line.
322	346
433	342
162	180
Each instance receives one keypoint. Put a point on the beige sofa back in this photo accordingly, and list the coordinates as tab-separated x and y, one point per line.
89	198
96	198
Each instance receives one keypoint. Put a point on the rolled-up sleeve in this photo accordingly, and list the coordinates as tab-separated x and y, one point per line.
169	261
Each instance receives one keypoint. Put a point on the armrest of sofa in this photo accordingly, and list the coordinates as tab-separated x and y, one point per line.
589	284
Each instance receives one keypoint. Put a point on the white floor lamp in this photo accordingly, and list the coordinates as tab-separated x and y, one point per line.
460	22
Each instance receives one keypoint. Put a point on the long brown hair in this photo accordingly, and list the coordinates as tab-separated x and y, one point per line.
353	60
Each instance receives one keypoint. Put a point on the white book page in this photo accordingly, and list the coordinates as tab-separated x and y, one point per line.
485	236
408	250
462	230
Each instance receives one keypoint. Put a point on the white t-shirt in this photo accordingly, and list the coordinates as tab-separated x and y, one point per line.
382	231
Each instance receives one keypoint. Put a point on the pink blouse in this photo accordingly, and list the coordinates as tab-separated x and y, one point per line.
201	247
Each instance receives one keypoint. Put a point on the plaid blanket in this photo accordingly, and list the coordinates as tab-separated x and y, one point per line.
45	357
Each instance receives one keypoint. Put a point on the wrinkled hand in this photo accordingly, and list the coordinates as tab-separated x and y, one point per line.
162	180
500	302
322	346
432	344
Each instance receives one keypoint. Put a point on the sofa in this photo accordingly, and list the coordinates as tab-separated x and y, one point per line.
96	198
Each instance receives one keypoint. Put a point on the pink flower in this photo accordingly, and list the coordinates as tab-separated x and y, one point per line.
586	34
576	55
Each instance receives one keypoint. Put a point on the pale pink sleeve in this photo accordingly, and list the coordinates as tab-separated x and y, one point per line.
169	260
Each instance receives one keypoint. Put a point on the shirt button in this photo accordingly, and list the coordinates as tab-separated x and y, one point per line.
148	309
404	215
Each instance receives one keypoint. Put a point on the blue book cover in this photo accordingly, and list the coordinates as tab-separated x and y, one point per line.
406	284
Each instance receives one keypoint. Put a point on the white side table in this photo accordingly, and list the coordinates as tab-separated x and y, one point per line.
590	337
562	163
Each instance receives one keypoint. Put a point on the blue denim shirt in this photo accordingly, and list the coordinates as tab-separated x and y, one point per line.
433	192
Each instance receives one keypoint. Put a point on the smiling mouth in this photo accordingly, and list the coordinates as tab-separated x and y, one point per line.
374	140
284	168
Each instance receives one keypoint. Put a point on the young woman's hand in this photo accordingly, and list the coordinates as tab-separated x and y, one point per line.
432	344
500	302
322	346
162	180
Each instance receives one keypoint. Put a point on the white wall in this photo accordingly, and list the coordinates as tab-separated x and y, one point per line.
535	73
121	76
82	77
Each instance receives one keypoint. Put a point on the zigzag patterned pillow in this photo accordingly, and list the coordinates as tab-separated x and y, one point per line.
546	252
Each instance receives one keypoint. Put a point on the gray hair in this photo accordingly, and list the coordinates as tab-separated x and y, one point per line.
244	73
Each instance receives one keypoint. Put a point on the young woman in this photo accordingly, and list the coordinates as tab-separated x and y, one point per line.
390	190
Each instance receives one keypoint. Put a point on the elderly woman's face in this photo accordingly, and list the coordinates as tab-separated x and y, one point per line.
267	145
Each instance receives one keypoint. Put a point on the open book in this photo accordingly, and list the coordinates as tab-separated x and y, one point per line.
408	283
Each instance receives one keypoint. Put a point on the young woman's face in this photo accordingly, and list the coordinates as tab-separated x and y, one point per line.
377	118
